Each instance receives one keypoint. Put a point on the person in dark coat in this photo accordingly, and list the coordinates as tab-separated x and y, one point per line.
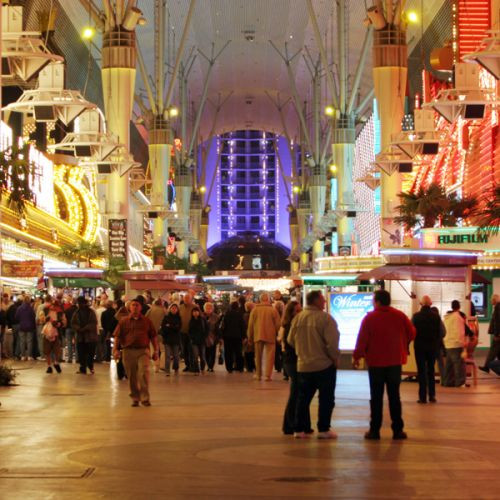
108	323
290	365
84	323
233	333
494	331
69	332
170	331
197	335
13	324
427	342
25	317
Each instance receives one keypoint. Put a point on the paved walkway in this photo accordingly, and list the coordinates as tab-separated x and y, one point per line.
71	436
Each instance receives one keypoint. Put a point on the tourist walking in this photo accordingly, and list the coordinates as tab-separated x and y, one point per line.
84	323
133	337
26	318
454	343
156	313
197	335
185	310
263	326
290	365
383	341
315	337
249	349
52	331
69	333
213	336
494	331
108	323
427	341
233	332
170	331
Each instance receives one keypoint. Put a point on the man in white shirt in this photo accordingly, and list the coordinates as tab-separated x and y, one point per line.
454	342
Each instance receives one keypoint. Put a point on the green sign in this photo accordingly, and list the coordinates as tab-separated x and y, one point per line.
79	283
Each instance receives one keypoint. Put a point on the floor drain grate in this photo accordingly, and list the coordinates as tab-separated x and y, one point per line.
27	473
299	479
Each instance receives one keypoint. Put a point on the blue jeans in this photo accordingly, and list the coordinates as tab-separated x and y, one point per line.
25	343
70	344
455	368
324	382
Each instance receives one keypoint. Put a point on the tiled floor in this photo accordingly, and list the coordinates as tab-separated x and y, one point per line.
71	436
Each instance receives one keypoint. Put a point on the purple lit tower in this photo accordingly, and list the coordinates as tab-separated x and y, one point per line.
249	193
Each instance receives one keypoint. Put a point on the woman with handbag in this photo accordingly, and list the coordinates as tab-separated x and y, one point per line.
55	322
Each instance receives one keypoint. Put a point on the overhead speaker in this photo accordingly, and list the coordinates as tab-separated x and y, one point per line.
430	148
405	168
84	151
474	111
351	213
104	168
44	113
153	215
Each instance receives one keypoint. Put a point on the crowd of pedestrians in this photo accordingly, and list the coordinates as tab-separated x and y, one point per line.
259	337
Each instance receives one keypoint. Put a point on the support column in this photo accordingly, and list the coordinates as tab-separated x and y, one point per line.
317	194
344	136
195	221
303	215
118	81
294	238
183	189
160	151
389	77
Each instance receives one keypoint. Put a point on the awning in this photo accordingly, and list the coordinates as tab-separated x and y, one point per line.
421	273
79	283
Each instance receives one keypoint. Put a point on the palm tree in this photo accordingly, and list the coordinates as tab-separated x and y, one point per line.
433	205
459	209
489	219
82	251
423	208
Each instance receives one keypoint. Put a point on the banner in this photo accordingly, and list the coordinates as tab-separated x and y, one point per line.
117	236
22	268
348	310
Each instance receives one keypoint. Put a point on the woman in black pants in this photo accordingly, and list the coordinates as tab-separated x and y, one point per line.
233	333
290	365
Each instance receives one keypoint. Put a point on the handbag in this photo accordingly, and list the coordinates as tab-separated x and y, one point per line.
49	331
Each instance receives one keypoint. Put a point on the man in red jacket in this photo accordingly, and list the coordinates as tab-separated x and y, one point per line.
383	340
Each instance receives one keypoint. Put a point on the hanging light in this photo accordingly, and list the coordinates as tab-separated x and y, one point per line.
88	33
329	110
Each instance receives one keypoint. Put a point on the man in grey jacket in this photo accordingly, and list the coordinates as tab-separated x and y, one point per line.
315	337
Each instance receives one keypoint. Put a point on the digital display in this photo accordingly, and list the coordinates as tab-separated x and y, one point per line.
348	310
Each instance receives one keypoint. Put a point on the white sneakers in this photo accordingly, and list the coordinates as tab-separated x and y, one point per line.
327	435
301	435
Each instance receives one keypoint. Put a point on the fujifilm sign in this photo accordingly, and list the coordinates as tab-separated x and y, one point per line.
459	239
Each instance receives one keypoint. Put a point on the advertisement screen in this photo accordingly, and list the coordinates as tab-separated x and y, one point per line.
348	310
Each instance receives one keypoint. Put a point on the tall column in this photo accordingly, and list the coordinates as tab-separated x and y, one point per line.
294	237
195	217
118	80
160	151
389	76
303	214
183	189
344	136
317	194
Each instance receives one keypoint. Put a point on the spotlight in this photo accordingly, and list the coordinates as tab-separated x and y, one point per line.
329	111
173	112
333	168
412	17
296	189
88	33
202	189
